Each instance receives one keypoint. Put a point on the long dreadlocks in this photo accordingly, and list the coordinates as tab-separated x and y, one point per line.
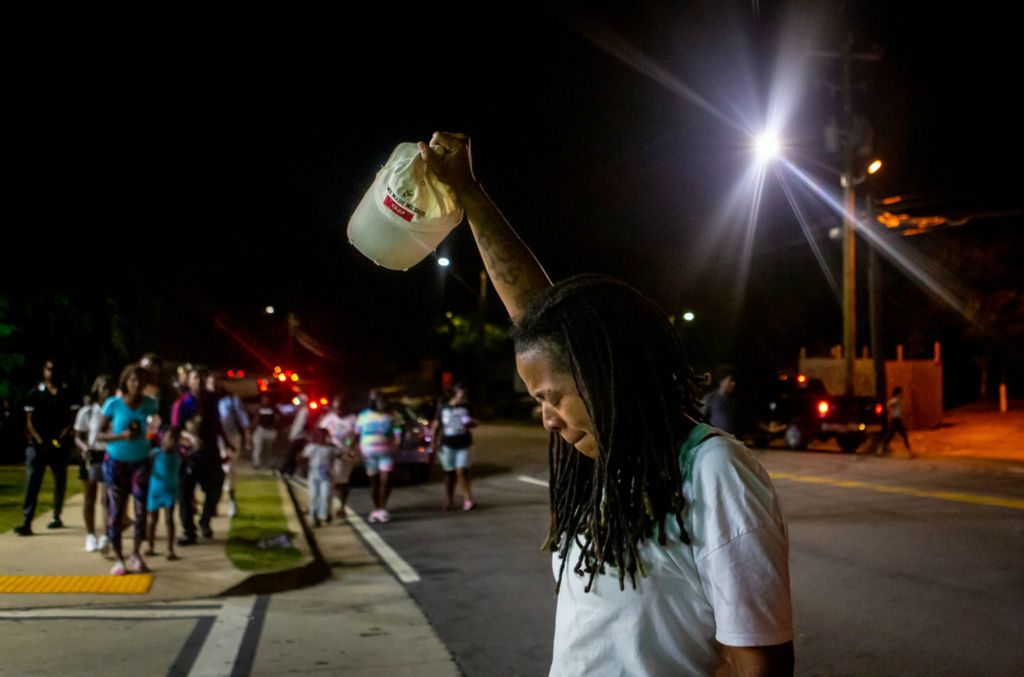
641	396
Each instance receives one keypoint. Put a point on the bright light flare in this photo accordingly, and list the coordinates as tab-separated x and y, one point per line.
269	310
822	408
874	166
767	147
688	316
444	261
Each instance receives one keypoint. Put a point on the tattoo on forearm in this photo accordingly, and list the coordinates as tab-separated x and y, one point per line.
503	265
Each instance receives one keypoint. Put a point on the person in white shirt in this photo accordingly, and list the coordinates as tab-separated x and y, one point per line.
341	432
670	552
320	455
87	424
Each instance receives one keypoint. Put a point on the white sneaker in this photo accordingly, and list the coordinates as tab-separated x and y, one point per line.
91	544
383	516
232	509
103	543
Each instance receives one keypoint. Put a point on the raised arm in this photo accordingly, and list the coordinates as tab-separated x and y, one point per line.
515	273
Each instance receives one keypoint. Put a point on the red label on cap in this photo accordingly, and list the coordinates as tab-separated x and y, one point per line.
397	208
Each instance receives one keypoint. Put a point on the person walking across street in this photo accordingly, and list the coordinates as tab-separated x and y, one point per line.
378	438
453	441
895	407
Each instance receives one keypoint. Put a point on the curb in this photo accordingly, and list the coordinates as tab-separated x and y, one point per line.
302	576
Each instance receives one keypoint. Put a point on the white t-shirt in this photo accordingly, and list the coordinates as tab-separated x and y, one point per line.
88	420
730	586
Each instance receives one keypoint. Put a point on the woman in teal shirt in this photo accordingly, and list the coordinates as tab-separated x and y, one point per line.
126	467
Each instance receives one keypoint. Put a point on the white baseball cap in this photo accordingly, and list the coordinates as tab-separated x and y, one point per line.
405	214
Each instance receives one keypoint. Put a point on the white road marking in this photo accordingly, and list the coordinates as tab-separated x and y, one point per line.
531	480
402	569
220	649
170	612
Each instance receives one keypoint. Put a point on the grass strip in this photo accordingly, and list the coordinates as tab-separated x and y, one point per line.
260	519
13	479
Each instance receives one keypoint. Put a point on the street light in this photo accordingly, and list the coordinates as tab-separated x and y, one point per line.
874	166
444	261
688	316
269	310
767	147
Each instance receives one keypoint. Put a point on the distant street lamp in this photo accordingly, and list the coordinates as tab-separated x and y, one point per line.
874	166
444	261
269	310
688	316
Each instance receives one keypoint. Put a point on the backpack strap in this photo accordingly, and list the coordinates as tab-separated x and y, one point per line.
698	435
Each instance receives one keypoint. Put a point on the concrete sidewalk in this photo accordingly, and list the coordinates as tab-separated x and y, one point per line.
204	569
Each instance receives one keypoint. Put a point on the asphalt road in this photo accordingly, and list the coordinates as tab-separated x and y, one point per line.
898	567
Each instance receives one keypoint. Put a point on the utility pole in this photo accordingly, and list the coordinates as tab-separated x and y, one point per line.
849	139
289	353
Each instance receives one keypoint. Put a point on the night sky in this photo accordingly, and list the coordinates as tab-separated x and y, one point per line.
212	162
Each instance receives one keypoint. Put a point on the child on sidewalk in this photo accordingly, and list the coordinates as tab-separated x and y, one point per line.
164	486
320	455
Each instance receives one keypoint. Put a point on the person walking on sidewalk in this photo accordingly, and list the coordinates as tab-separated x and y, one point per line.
87	427
669	548
453	439
265	433
203	467
164	487
341	431
235	422
48	420
895	406
126	467
378	438
320	456
296	436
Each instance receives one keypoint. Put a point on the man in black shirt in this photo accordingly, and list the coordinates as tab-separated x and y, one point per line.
47	422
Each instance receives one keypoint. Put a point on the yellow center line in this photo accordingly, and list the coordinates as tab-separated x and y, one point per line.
961	497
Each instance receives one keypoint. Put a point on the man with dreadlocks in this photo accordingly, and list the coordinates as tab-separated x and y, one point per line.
670	552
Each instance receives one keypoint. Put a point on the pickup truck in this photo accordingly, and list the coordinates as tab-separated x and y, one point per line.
803	410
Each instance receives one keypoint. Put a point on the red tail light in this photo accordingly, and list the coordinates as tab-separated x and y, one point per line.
878	410
822	408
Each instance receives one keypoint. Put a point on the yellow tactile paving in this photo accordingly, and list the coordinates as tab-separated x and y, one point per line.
135	584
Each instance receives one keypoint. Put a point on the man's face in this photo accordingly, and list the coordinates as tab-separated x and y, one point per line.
562	408
48	368
727	385
193	381
211	383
